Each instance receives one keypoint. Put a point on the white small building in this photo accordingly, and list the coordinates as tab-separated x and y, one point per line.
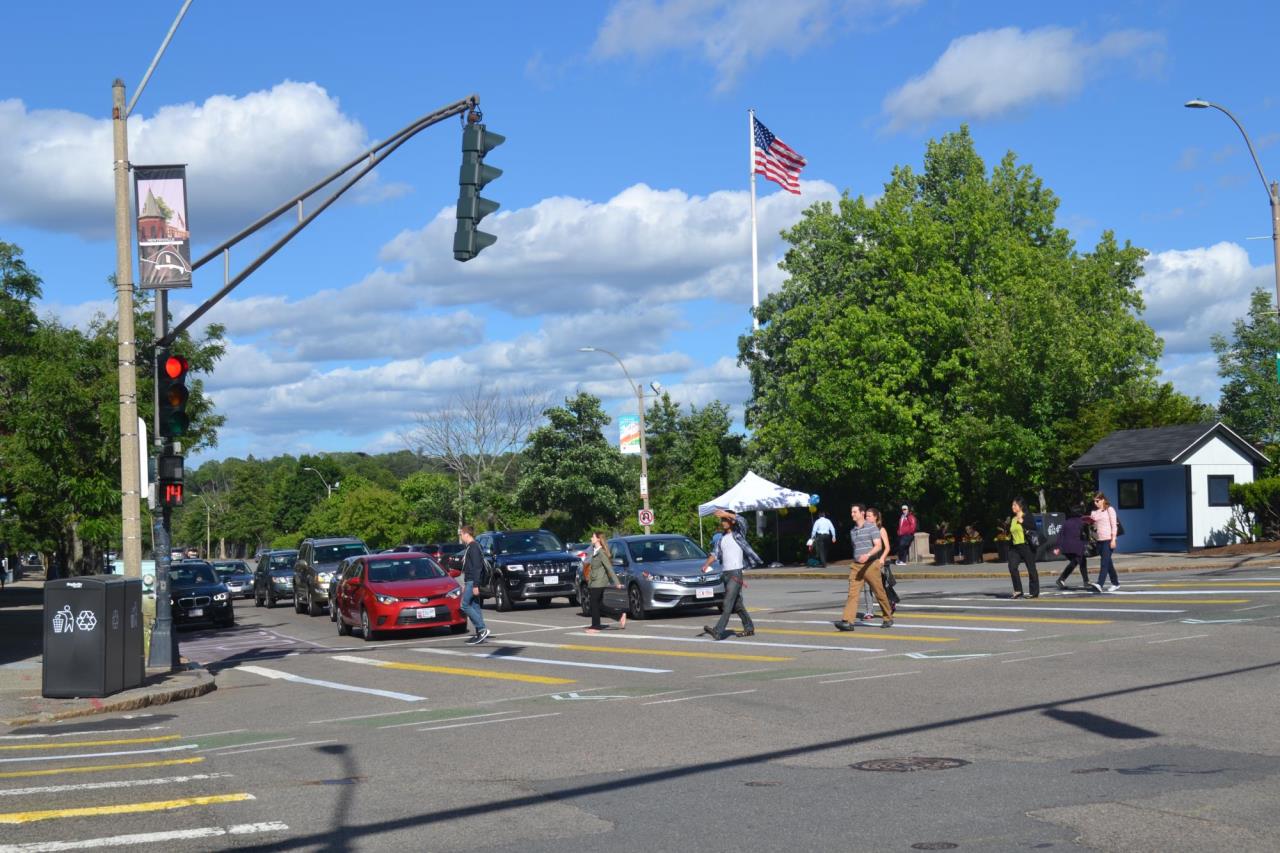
1169	485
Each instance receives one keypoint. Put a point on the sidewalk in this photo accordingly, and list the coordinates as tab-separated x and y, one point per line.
21	663
992	568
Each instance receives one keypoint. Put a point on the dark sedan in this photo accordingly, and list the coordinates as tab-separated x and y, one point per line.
273	579
196	595
237	575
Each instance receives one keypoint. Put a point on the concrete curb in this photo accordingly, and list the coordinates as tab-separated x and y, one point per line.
912	574
194	681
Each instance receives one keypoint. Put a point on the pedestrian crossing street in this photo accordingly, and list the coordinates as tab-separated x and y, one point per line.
91	784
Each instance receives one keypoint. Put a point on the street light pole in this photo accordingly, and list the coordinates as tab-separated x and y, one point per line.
1273	188
644	455
328	490
208	537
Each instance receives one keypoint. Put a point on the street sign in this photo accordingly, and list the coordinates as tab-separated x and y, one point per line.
644	486
646	517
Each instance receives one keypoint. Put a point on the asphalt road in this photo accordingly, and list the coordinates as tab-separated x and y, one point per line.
1143	720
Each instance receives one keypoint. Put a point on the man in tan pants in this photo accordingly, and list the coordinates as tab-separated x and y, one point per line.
868	552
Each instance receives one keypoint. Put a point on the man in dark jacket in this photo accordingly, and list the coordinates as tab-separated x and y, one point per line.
472	570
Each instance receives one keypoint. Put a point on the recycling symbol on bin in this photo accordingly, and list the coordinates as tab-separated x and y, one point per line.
86	621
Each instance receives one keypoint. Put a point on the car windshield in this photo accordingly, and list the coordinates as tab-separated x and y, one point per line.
284	561
527	543
451	548
230	568
338	553
187	575
413	569
665	550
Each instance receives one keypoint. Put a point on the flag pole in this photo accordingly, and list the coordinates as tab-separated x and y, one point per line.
755	260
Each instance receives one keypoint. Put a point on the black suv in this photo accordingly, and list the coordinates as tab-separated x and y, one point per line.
314	568
273	579
527	565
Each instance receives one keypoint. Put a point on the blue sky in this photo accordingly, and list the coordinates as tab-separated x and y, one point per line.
624	221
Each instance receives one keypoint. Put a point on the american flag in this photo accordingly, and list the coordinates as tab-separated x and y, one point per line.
776	160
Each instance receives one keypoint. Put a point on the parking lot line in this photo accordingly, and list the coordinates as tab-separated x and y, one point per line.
498	655
276	674
122	808
144	838
881	636
69	744
99	768
474	673
623	650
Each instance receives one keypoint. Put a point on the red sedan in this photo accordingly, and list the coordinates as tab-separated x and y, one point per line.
397	592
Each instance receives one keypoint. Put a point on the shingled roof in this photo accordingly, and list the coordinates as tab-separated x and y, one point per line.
1161	446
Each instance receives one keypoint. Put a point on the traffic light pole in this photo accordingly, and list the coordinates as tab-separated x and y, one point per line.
163	653
372	158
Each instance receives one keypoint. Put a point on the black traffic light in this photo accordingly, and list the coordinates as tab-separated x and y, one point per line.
171	395
477	141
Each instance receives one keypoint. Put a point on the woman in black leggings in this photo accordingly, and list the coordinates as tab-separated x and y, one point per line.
1020	551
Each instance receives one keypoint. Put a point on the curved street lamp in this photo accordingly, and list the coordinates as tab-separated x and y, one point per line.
644	456
328	490
1273	189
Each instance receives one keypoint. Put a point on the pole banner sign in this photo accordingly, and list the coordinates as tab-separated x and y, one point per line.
629	434
164	241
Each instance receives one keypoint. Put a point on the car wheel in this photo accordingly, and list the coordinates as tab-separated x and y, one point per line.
501	596
635	603
366	630
574	599
344	630
583	602
458	629
720	607
544	602
312	608
297	600
333	611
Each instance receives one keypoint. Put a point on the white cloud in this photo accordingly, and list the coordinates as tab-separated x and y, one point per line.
244	154
1192	293
994	72
732	34
643	246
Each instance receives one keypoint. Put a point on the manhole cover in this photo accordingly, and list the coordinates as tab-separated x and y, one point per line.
906	765
934	845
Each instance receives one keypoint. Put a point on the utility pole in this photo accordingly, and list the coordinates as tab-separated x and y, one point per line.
126	346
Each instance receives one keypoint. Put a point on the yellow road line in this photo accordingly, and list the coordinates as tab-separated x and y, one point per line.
1118	599
96	768
1051	620
64	745
476	673
879	635
123	808
617	650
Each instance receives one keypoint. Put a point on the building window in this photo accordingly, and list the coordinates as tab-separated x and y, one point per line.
1220	489
1129	494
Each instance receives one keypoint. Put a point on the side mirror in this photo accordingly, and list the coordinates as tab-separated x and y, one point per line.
454	573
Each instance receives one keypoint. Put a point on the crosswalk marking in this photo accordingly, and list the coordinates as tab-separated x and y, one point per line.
498	655
98	754
880	637
145	838
80	734
750	643
1042	620
122	783
458	670
76	743
1140	598
623	650
1055	609
99	768
122	808
334	685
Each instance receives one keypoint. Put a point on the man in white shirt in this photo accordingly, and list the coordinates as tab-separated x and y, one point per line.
823	534
734	554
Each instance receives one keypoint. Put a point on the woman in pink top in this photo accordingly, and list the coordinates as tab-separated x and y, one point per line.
1104	527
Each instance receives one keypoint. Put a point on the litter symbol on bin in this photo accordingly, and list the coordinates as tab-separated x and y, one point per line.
115	619
64	622
86	621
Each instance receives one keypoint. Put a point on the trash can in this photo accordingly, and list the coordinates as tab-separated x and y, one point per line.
92	636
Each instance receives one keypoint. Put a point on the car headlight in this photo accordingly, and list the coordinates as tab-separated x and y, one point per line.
454	593
324	578
516	567
386	599
650	576
219	596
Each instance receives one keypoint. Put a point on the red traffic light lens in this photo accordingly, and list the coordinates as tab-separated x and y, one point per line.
175	367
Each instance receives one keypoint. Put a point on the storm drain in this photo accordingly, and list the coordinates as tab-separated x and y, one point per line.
906	765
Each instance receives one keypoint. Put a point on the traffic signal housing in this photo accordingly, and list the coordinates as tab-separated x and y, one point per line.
171	395
477	141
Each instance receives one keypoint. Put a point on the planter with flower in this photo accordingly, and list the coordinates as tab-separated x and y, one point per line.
971	545
1002	539
944	544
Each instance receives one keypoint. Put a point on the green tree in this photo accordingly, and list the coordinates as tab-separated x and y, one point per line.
1250	401
692	458
431	505
935	345
572	470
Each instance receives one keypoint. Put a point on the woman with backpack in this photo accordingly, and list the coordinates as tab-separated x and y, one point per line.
1022	533
1106	527
1073	540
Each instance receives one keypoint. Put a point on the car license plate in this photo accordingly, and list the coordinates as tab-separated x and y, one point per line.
705	592
548	579
426	613
196	611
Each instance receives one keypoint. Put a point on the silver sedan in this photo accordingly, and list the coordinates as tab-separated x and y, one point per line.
659	572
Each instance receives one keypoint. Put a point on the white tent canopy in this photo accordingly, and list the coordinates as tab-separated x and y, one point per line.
754	492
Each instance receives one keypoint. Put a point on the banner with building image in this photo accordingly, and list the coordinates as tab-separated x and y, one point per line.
164	241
